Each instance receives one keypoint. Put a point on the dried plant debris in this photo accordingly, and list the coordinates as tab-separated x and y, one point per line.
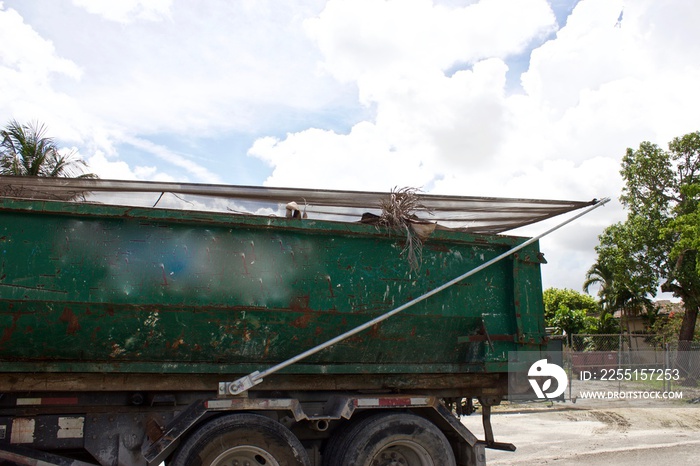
399	215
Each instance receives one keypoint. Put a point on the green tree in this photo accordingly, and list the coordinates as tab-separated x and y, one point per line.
571	321
666	330
568	310
656	246
618	291
25	150
601	275
605	324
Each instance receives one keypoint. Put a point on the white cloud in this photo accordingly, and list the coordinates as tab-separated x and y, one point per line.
210	67
426	121
588	52
206	69
365	39
361	94
31	56
189	167
110	169
28	66
29	73
124	11
306	158
590	92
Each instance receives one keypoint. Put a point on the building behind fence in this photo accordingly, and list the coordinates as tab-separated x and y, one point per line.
603	353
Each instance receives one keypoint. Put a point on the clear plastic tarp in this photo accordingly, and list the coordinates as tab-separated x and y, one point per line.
467	213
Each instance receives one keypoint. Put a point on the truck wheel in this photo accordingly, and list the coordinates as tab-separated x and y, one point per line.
241	439
389	439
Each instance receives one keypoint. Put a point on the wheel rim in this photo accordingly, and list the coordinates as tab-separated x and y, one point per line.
402	453
245	455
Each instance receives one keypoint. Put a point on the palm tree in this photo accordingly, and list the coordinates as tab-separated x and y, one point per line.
615	295
26	151
601	275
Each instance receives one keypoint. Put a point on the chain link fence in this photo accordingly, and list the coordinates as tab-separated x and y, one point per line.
618	357
627	342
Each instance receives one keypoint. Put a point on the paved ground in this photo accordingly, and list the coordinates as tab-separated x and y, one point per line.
592	433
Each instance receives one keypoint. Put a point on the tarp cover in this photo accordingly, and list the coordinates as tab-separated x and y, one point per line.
467	213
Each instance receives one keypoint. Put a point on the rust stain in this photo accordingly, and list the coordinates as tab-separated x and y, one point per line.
302	321
252	249
176	344
7	333
245	265
437	247
301	304
165	278
330	286
266	351
72	321
179	341
355	339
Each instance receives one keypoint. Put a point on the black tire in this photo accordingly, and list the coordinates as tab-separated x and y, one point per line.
335	443
251	438
390	438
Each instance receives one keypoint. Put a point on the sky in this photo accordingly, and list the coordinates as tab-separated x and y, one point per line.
505	98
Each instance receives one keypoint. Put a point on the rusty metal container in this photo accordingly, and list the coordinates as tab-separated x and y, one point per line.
88	288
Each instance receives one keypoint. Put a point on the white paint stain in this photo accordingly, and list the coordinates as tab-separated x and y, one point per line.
70	427
22	430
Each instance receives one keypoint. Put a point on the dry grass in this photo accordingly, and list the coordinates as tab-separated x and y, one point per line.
398	212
